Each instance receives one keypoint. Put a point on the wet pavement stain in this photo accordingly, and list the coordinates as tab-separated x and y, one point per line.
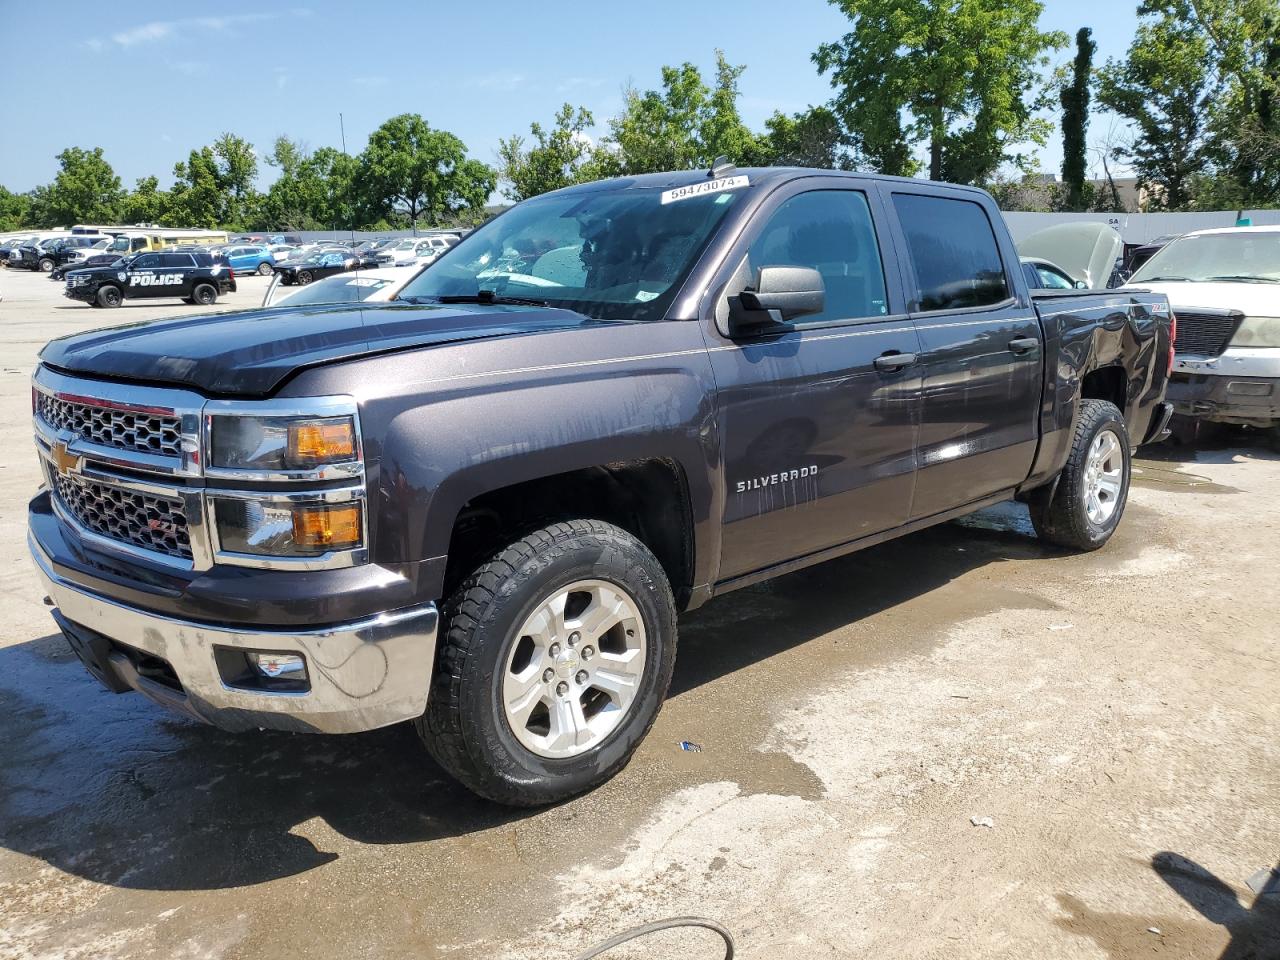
1161	476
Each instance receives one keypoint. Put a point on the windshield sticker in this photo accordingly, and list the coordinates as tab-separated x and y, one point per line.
644	296
705	187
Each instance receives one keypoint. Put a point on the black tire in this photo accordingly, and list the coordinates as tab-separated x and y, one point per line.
46	265
204	294
109	295
1059	513
265	269
465	726
304	277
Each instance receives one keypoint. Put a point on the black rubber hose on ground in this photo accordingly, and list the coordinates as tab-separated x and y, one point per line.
645	929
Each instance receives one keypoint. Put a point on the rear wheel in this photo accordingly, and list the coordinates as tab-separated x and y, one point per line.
1085	507
304	276
109	296
264	269
555	660
46	265
204	294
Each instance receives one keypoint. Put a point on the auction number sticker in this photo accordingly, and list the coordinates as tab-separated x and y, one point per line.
706	186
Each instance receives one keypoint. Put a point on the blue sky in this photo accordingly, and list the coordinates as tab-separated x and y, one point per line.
149	81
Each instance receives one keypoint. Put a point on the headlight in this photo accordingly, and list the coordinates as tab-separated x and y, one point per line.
282	529
1258	332
282	444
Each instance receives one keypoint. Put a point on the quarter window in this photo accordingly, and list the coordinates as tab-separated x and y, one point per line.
954	252
831	232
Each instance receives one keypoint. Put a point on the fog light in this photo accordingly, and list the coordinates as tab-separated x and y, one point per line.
278	666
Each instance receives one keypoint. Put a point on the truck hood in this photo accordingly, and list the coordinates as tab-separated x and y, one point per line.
1251	299
251	353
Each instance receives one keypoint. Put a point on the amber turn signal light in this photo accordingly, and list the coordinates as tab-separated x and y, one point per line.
322	441
329	526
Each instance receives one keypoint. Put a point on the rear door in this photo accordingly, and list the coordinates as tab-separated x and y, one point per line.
980	349
179	269
818	440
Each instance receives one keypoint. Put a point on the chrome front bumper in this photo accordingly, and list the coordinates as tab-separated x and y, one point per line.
363	675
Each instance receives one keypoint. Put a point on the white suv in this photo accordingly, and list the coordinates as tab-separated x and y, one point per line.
1224	287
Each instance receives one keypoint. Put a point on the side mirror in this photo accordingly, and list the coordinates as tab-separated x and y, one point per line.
1082	285
779	295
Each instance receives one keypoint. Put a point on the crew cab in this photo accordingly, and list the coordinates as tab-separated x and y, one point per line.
481	507
191	276
1224	286
45	255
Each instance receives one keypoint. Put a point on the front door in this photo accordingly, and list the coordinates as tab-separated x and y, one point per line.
819	441
981	352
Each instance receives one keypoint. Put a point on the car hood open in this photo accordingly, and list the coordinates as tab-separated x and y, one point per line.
250	353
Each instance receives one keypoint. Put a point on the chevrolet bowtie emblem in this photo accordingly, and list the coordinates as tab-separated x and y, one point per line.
64	461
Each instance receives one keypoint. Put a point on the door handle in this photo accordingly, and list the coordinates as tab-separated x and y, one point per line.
1021	345
894	361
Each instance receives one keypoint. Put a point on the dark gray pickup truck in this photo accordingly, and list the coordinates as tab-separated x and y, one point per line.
482	506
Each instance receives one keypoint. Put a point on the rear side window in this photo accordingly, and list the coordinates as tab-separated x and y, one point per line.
830	231
954	252
175	260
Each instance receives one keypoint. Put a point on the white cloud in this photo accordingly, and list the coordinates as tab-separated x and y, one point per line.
147	33
579	83
157	30
503	80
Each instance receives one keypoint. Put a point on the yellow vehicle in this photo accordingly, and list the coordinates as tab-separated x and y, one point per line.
136	241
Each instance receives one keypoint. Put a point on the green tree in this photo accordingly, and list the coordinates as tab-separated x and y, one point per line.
15	210
812	138
1243	37
237	171
146	203
85	190
958	76
197	198
1165	87
422	174
1074	97
683	126
559	156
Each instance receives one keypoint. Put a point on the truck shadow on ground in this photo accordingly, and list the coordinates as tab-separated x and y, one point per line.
114	790
1251	933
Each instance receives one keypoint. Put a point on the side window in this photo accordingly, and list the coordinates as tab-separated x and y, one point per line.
830	231
147	261
139	243
954	252
177	260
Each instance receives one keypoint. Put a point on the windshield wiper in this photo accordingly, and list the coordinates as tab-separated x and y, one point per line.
488	296
1245	278
1163	280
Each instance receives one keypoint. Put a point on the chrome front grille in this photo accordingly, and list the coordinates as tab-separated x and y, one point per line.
142	519
122	429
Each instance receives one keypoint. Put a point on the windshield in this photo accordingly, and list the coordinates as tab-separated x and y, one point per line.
611	254
1244	257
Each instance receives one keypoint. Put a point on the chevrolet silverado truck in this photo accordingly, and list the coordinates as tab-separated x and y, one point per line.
480	507
1224	286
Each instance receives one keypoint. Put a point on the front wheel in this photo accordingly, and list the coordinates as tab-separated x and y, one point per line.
304	276
555	659
109	296
46	265
264	269
1084	509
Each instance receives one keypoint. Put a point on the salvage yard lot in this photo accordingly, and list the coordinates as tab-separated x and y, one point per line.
1115	715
